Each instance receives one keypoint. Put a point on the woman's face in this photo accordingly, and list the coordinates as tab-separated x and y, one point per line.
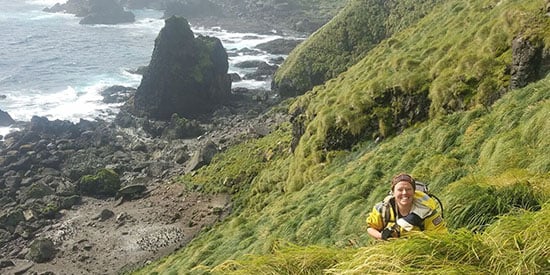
403	193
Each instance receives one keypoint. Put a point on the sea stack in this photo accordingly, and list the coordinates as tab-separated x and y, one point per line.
186	76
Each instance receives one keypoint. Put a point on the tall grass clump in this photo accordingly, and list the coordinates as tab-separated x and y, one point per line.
287	259
347	38
457	253
519	243
474	202
447	62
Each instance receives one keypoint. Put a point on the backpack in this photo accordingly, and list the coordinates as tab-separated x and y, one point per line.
389	202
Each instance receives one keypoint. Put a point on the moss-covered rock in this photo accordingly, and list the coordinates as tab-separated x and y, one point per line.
186	75
105	182
41	251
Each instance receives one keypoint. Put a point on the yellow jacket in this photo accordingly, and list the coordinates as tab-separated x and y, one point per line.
424	206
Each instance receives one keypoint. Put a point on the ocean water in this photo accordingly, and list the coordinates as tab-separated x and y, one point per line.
54	67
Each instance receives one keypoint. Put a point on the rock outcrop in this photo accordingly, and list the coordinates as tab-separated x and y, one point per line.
106	12
186	76
192	9
5	119
530	62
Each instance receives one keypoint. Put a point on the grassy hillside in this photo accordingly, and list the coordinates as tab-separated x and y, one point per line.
482	150
485	162
456	58
359	27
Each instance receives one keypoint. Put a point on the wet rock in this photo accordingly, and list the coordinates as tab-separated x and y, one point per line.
5	119
203	156
131	191
186	75
6	263
41	251
104	215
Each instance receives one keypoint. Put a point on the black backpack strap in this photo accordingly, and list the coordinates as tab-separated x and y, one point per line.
387	205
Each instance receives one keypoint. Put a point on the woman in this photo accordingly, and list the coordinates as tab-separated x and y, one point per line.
416	211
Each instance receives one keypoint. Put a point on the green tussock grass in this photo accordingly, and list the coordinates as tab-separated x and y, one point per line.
450	153
453	59
287	259
488	162
347	38
512	245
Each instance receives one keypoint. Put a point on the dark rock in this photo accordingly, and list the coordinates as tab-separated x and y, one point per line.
104	215
131	191
203	156
140	70
250	64
5	119
41	251
68	202
35	191
192	9
104	183
235	77
6	263
10	219
76	7
263	72
117	94
526	58
5	236
106	12
186	75
279	46
180	127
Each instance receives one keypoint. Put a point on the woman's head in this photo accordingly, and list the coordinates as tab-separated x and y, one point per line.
402	177
403	187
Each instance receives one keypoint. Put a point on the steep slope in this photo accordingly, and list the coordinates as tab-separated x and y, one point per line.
491	162
359	27
457	57
484	147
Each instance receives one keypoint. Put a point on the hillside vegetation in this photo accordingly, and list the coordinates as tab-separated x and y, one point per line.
347	38
436	97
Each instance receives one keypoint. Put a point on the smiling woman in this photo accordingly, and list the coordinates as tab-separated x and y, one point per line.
404	210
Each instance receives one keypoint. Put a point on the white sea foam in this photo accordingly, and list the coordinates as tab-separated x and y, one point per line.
46	3
56	68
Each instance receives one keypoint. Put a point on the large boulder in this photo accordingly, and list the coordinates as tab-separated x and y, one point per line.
5	119
186	75
95	11
107	12
530	62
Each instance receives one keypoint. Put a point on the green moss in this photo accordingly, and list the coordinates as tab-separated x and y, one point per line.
105	182
347	38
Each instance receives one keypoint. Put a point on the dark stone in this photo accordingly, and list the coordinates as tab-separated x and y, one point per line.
279	46
263	71
192	9
41	251
250	64
106	12
186	75
6	263
530	62
203	156
104	215
117	94
5	119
